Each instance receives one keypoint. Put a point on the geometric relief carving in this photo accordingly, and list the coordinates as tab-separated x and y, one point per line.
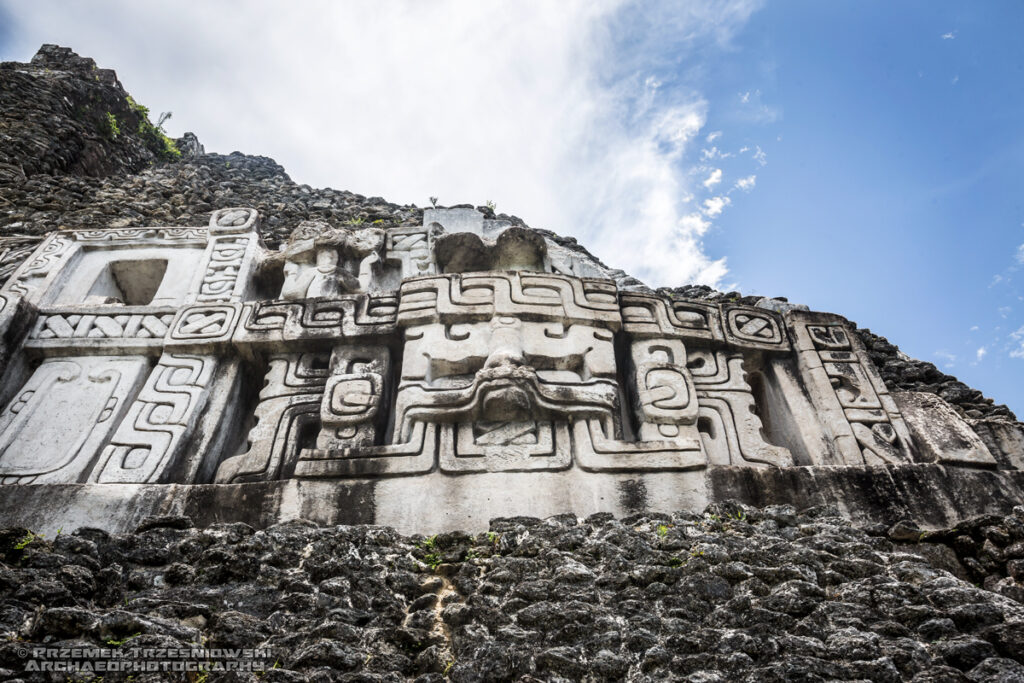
480	296
196	236
754	327
30	276
732	432
348	315
205	327
156	429
14	249
287	414
97	325
205	322
351	412
645	316
405	351
411	249
233	220
505	446
53	429
595	451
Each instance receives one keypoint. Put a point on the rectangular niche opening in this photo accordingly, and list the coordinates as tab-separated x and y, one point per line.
129	282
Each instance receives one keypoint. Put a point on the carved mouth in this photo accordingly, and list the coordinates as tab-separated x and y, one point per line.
506	401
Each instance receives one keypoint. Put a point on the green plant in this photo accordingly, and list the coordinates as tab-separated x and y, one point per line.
490	205
492	537
379	221
429	541
663	530
448	668
154	136
118	643
432	560
110	126
358	220
471	554
739	516
676	562
26	540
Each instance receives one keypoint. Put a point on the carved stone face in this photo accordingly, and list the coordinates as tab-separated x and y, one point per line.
506	369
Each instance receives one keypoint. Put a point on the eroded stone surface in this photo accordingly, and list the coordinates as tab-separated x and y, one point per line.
735	593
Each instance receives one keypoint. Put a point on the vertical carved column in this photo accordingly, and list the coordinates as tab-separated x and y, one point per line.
354	401
154	434
289	405
666	398
847	392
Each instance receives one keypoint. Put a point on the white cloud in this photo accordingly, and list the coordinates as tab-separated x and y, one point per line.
760	156
746	184
1019	256
948	359
1018	338
713	179
949	36
980	354
714	135
531	104
714	206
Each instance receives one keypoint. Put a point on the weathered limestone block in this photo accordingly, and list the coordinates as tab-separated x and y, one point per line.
940	434
16	317
518	249
1005	441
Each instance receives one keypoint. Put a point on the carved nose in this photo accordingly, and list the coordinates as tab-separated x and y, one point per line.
507	357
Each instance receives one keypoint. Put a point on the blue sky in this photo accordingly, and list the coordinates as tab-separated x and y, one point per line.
861	157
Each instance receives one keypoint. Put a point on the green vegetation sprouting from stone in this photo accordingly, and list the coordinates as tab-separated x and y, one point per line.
26	540
153	135
110	127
